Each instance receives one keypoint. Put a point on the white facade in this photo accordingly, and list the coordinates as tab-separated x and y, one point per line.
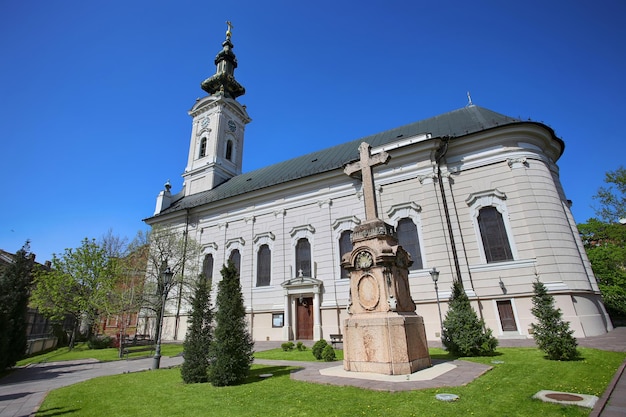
439	183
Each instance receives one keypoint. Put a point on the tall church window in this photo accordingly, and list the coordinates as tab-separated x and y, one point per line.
202	152
345	246
207	267
408	239
493	235
235	257
303	258
263	266
229	150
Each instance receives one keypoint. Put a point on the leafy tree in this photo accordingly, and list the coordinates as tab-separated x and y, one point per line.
199	335
605	244
551	333
232	345
15	280
77	284
612	198
463	333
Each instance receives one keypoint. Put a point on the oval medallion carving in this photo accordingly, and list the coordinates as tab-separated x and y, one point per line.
368	292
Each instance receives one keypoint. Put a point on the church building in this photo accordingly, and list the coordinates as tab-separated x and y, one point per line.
473	195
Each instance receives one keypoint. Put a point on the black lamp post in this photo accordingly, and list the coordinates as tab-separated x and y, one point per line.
434	274
167	275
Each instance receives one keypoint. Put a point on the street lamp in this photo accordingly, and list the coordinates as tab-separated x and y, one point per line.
434	274
167	275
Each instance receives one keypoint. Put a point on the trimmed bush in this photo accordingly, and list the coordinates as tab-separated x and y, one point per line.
463	333
300	346
100	342
318	348
287	347
551	333
328	354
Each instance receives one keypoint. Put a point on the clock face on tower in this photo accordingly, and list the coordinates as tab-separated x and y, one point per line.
232	126
205	121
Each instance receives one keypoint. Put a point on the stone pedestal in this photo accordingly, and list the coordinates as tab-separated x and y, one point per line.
383	333
385	343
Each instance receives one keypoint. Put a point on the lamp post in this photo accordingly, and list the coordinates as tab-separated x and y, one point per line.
434	274
167	275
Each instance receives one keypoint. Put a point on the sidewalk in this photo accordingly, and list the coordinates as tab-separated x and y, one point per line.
22	391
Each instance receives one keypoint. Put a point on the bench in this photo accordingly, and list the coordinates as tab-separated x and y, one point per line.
335	339
139	343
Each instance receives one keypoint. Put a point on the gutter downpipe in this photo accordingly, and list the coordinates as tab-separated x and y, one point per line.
439	155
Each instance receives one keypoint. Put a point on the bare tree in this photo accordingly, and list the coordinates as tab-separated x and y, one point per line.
169	247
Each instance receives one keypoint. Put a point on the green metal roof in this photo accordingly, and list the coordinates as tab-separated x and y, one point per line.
461	122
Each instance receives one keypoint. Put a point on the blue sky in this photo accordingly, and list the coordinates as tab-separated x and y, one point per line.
94	95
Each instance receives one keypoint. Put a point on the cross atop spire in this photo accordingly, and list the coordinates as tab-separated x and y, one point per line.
228	31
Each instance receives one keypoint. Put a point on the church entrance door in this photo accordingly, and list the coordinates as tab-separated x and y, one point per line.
304	317
507	319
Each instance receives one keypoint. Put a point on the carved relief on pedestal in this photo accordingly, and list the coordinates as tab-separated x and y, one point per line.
368	291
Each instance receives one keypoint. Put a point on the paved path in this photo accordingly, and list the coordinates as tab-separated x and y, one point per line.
22	391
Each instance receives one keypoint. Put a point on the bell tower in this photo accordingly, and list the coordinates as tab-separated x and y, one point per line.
219	121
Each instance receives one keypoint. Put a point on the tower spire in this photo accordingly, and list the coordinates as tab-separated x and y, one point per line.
223	81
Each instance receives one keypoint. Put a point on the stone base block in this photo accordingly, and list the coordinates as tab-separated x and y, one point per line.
388	343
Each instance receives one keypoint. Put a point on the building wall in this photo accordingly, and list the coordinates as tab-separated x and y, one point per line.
513	169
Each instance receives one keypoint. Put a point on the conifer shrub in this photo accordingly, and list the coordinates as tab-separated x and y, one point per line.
287	346
552	334
232	345
463	333
318	348
199	335
15	281
328	354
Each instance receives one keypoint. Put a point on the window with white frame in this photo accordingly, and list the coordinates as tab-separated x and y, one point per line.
235	258
408	239
207	267
407	221
303	257
202	152
345	246
263	266
493	235
302	242
491	223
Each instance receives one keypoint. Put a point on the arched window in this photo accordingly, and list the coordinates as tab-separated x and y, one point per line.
202	152
235	257
229	150
303	258
345	246
408	239
207	267
263	266
493	235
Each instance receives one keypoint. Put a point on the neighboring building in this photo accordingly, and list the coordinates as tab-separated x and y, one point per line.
472	193
125	323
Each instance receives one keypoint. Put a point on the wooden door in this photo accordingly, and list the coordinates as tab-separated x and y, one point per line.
507	319
304	318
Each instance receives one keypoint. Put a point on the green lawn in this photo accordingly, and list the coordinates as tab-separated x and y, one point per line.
506	390
81	351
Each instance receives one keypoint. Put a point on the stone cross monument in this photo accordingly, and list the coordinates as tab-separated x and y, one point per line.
382	334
